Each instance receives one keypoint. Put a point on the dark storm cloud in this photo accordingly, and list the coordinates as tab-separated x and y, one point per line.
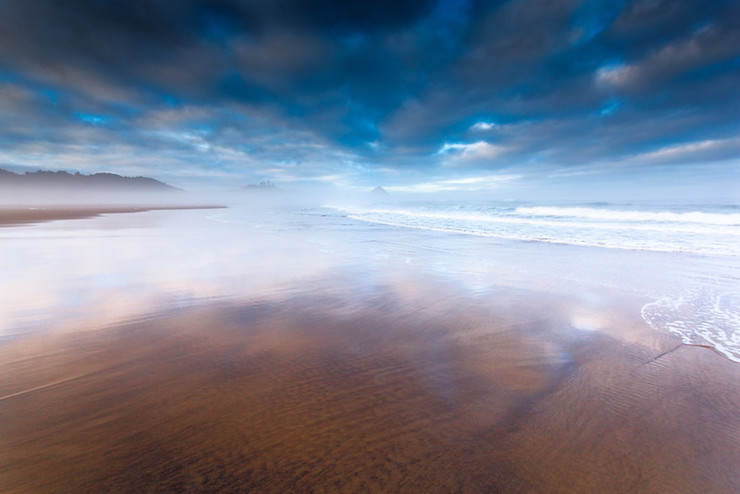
319	88
119	41
314	58
555	63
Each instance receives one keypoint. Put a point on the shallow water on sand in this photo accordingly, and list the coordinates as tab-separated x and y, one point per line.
300	350
122	265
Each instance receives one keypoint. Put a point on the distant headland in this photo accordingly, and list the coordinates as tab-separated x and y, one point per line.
262	186
63	181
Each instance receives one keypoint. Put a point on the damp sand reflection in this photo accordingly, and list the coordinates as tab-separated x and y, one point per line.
413	389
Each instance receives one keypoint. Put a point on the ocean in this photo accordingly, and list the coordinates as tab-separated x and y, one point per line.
692	229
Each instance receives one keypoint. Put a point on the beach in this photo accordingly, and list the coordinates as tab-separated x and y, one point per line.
27	215
325	355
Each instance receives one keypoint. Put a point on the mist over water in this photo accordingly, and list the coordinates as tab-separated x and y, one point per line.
681	261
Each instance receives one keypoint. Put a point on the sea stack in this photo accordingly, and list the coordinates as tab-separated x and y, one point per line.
379	192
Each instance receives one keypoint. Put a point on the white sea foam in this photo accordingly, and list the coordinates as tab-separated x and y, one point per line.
514	218
696	232
701	317
621	215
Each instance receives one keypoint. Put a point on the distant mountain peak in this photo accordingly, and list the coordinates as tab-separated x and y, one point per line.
379	191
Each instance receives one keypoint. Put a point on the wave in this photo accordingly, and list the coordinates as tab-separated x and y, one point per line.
730	219
649	246
627	230
515	218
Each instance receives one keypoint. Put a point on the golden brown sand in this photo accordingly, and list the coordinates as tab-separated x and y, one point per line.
326	394
12	216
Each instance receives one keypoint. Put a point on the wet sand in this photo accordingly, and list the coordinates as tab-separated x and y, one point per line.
367	393
14	216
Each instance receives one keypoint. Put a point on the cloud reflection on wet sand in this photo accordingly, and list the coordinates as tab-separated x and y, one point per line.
405	387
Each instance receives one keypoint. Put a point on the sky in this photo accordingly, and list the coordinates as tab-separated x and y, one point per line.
501	97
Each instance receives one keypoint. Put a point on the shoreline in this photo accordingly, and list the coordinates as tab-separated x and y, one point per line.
17	216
